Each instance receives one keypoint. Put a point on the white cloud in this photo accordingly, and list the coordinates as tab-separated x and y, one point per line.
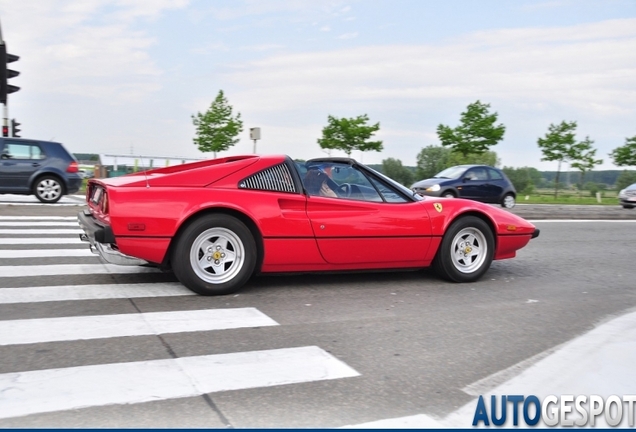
348	35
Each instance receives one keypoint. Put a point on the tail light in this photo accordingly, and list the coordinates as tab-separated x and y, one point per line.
105	203
73	167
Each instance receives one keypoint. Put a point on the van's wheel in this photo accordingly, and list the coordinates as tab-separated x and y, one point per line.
508	201
48	189
466	251
214	255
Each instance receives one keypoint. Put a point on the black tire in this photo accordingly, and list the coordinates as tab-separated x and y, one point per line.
219	239
627	206
48	189
508	201
468	232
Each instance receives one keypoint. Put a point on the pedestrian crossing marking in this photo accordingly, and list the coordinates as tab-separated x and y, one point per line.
45	253
52	390
71	269
41	330
91	292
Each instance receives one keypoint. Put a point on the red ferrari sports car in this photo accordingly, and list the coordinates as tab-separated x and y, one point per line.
217	222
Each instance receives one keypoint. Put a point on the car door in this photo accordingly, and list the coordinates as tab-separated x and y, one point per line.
474	184
368	223
496	187
20	160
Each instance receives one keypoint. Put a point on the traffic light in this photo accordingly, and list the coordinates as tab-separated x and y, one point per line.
14	128
5	74
5	131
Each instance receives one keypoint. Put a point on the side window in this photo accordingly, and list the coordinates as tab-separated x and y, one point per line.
22	151
18	151
477	174
36	152
389	195
338	180
494	174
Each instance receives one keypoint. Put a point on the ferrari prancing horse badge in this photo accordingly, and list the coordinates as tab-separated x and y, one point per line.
438	207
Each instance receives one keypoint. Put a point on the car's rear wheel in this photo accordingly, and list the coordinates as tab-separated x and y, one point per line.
214	255
48	189
508	201
466	251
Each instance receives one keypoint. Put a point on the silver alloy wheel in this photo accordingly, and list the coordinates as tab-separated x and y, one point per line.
49	189
449	195
469	250
509	201
217	255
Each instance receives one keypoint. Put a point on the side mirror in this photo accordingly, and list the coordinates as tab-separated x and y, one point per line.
465	179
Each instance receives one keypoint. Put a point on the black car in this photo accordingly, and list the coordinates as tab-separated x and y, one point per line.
477	182
41	168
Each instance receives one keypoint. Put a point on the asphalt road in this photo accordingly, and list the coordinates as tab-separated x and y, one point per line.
404	343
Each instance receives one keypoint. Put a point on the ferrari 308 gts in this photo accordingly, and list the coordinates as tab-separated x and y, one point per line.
217	222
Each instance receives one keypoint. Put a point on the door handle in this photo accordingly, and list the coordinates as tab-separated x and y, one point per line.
35	164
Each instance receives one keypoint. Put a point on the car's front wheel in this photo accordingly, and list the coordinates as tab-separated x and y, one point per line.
627	206
48	189
508	201
214	255
466	251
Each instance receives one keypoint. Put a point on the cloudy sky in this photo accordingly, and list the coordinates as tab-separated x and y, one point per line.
125	76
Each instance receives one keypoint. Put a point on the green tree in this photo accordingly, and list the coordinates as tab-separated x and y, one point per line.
433	159
394	169
586	160
625	179
524	179
349	134
559	145
217	129
476	133
625	155
486	158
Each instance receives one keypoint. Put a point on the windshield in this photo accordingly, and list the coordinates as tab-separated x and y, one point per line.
397	185
451	173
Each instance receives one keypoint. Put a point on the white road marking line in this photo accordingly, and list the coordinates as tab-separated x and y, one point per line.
40	223
71	269
44	253
41	231
41	240
582	220
91	292
52	390
52	218
41	330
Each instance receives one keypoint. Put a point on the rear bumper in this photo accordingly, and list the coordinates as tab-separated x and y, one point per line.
102	241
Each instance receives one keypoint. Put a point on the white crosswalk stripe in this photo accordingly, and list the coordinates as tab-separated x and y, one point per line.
15	332
40	240
40	391
91	292
46	253
71	269
40	231
127	383
39	224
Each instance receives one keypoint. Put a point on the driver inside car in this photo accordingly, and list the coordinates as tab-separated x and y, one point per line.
316	184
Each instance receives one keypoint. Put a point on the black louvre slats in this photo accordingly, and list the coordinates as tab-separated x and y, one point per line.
277	178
